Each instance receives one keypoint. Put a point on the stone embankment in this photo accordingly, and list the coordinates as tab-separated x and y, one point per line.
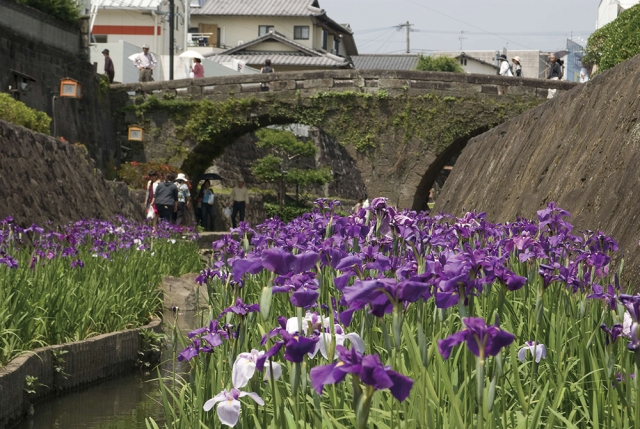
43	179
67	366
581	150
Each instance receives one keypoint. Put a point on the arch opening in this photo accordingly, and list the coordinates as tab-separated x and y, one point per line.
438	171
233	153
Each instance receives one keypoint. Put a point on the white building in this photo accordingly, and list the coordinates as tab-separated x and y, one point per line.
293	34
610	9
534	63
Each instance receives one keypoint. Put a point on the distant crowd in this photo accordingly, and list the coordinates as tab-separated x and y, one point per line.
556	70
168	197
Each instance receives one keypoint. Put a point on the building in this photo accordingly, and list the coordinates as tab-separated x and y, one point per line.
608	10
140	22
475	65
293	34
410	61
534	63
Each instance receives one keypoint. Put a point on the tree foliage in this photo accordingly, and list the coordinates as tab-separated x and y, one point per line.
64	10
285	148
439	64
616	42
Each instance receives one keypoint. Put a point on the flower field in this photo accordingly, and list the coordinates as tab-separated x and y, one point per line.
88	278
389	319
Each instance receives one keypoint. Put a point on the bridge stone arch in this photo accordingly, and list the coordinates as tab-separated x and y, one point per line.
400	127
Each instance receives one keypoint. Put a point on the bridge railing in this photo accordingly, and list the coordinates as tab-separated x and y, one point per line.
359	80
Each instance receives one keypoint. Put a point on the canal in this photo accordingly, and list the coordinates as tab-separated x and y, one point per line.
123	402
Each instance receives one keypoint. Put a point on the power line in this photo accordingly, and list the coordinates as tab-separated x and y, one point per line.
466	23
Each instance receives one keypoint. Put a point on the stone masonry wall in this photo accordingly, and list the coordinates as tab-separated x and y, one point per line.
85	362
425	118
580	150
43	179
47	50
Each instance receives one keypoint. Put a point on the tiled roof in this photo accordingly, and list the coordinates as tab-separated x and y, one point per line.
130	4
257	7
385	61
274	37
280	59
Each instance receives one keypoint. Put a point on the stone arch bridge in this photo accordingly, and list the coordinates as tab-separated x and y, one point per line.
400	127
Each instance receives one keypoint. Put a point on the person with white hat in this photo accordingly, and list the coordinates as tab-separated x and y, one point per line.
240	199
145	62
184	199
517	66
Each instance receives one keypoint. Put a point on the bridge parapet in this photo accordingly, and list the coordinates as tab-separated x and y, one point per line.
364	81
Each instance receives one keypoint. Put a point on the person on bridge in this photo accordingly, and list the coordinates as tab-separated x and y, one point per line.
517	67
266	69
146	63
240	198
197	69
555	73
108	66
505	68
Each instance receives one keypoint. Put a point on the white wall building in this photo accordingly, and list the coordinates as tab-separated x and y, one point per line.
534	63
610	9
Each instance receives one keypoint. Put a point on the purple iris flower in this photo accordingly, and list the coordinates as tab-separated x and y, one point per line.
304	297
10	262
368	368
248	265
282	262
613	333
382	294
296	347
194	350
632	303
240	308
609	296
77	263
481	339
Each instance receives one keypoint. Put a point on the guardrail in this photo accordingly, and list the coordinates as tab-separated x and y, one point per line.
354	79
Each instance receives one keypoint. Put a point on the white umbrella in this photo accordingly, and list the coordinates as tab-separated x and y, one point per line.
191	54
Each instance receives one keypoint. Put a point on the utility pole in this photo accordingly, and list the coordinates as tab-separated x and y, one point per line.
172	23
461	38
408	27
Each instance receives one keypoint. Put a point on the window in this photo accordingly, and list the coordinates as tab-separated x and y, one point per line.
263	30
301	32
463	61
324	39
100	38
336	45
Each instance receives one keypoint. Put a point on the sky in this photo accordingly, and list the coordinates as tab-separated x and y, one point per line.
487	24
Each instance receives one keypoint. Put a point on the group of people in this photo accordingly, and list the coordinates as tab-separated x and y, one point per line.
556	70
168	197
510	70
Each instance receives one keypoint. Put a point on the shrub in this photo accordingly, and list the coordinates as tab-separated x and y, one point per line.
18	113
440	64
64	10
289	211
616	42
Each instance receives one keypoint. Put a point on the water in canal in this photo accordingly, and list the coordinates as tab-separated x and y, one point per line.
119	403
